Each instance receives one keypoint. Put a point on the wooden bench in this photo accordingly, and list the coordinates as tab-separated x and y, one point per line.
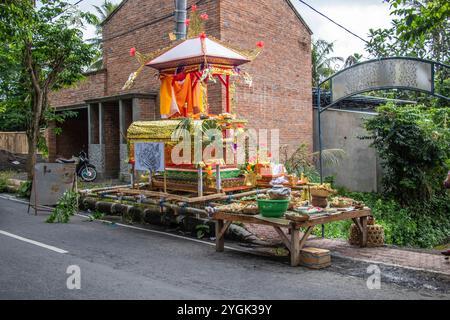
296	241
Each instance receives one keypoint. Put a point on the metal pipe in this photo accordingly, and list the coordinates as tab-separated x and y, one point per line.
180	18
319	124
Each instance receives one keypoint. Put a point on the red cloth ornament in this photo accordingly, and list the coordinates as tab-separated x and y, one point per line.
132	52
260	44
203	36
180	77
194	7
188	22
204	16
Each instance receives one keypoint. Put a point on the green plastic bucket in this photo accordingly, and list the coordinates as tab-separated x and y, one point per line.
273	208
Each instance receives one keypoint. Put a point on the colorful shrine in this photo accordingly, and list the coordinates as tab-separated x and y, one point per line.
185	69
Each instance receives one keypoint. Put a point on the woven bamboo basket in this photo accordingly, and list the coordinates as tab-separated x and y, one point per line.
320	193
375	236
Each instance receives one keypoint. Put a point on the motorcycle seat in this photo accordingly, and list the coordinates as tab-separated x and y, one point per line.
67	161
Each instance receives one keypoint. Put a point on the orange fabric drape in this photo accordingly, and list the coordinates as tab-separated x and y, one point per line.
182	94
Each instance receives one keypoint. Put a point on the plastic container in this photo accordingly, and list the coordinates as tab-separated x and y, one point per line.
273	208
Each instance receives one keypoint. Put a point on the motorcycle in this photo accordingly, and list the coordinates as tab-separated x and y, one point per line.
86	171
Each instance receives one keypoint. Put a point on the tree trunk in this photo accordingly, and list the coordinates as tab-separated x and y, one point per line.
33	136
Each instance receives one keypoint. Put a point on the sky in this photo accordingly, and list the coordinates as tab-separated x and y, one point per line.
356	15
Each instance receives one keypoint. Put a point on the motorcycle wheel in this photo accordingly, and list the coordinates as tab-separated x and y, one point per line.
88	174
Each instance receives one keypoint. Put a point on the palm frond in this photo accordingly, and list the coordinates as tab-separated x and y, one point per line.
330	157
184	125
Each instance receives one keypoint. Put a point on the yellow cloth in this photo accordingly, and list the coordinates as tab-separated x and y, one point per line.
165	96
198	99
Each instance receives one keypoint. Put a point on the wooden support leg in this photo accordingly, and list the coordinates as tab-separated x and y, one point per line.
283	237
305	237
363	221
221	228
295	246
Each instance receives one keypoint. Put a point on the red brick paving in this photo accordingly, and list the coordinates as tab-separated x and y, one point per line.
421	260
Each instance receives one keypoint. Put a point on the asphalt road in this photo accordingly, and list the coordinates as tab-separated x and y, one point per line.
124	263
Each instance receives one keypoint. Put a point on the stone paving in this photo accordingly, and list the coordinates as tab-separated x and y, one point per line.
427	260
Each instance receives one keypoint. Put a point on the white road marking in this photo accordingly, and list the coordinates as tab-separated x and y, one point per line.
10	198
36	243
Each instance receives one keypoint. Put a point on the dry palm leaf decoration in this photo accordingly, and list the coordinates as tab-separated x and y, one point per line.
196	28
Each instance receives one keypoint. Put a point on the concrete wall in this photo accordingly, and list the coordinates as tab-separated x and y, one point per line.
360	170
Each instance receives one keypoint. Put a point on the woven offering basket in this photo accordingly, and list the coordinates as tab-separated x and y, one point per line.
375	236
320	193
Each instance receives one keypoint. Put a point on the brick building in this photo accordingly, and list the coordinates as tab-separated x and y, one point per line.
280	97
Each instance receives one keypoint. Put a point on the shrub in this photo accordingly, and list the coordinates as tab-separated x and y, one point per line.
24	190
414	145
65	208
420	224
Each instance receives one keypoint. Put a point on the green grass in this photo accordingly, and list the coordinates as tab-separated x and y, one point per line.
4	177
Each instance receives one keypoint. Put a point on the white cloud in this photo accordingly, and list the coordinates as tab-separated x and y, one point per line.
357	16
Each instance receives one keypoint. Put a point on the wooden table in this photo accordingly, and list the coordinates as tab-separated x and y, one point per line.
296	241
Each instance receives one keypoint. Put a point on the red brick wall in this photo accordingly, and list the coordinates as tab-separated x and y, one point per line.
93	86
51	142
112	139
128	115
95	134
72	140
281	93
147	109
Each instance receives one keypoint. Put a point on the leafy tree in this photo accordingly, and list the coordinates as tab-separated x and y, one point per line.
44	50
352	60
322	62
414	145
103	12
421	28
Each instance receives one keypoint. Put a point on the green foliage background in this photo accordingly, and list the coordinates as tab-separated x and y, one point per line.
414	145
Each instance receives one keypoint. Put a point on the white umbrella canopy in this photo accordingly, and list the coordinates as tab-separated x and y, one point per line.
192	52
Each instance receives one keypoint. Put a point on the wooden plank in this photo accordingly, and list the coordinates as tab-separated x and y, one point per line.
224	229
284	223
358	224
283	237
206	198
364	231
295	247
147	193
244	194
220	241
305	237
169	196
251	219
173	186
336	217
